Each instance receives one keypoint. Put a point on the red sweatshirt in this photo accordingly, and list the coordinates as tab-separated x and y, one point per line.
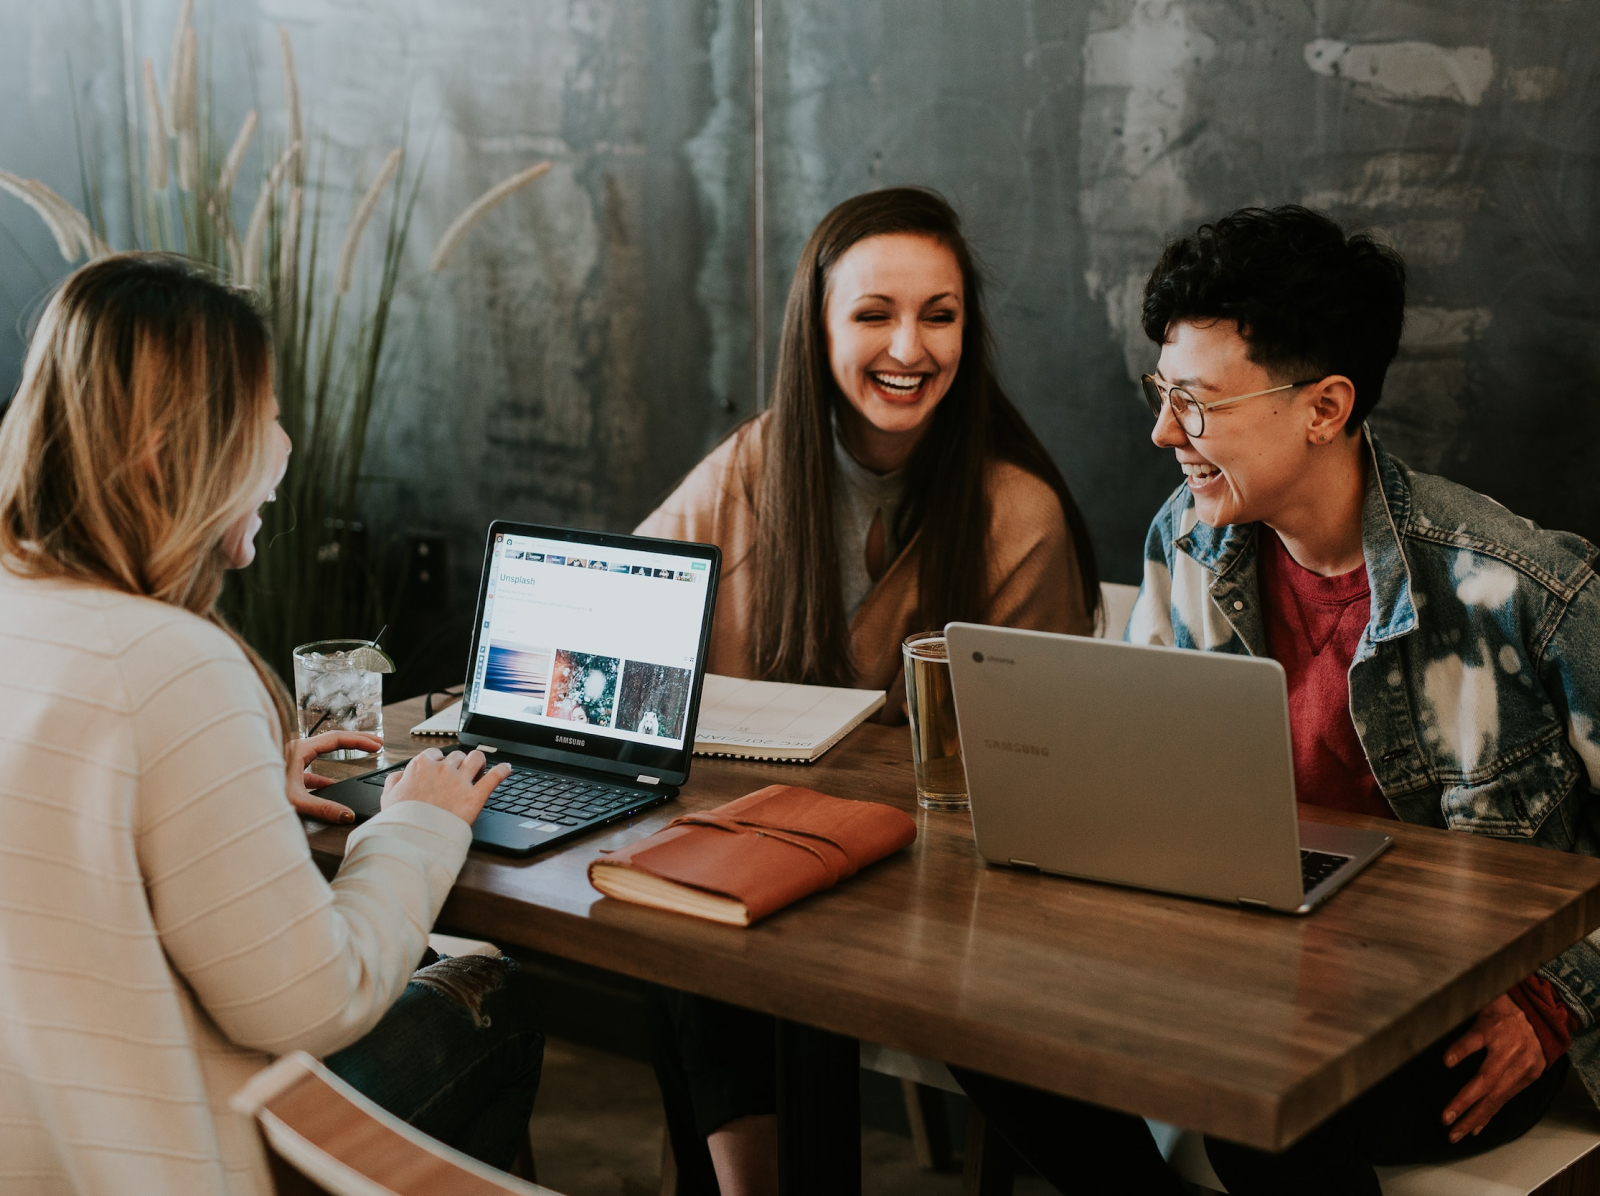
1314	625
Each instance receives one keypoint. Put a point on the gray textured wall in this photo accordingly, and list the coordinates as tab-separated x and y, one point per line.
596	334
1077	136
587	342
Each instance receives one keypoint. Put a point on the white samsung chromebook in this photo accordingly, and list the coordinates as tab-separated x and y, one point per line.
1161	768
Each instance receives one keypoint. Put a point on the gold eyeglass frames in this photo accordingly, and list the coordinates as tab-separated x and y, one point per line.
1188	410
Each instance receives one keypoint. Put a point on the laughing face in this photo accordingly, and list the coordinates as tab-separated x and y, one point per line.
895	317
1250	462
239	542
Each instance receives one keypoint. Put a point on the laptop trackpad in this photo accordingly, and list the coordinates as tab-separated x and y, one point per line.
493	828
363	794
512	832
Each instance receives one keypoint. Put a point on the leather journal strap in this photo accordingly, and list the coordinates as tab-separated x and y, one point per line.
768	848
836	863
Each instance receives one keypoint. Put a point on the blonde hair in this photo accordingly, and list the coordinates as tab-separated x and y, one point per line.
140	436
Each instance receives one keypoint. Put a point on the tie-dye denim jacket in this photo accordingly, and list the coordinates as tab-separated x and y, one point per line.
1475	689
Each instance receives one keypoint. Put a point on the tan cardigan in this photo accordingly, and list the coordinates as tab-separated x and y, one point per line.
163	929
1033	574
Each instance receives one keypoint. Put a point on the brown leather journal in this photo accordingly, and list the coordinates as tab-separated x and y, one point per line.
744	860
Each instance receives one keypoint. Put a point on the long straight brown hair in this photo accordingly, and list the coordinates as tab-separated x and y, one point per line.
801	631
140	436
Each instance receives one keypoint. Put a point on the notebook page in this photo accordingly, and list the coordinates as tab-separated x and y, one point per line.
771	715
443	722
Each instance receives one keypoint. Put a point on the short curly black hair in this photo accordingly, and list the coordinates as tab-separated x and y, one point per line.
1308	299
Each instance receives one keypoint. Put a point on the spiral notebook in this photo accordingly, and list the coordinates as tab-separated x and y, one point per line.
445	722
771	720
752	720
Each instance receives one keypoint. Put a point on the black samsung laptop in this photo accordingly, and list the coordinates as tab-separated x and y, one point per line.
588	653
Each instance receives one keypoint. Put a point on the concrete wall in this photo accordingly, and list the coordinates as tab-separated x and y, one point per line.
596	334
589	339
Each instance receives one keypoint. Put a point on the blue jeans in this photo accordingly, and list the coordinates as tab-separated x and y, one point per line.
458	1057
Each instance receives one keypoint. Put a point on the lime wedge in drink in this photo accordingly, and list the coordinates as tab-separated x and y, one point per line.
373	660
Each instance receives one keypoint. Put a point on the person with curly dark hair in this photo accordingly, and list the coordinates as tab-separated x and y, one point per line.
1440	659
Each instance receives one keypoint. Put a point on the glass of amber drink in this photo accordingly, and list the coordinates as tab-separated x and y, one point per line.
935	743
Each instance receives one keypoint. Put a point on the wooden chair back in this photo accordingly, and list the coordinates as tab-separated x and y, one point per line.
323	1138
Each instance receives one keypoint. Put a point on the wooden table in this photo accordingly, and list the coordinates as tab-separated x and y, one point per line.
1251	1026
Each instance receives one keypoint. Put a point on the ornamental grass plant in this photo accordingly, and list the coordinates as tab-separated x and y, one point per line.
314	577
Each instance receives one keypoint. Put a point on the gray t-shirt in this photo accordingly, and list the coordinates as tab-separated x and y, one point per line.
859	497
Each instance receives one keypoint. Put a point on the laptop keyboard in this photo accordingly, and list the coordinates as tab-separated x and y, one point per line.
563	800
1317	866
551	797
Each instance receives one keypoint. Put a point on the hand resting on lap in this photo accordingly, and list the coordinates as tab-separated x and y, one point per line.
1514	1060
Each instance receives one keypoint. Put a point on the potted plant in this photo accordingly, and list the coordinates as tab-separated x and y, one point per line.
312	577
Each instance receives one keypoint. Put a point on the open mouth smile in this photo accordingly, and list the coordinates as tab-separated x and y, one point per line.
1200	474
898	387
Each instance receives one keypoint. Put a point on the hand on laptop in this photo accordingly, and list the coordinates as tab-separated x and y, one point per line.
450	782
302	752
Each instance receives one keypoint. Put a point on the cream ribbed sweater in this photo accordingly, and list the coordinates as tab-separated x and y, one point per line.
163	930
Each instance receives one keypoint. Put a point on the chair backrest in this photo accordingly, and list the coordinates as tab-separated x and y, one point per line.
324	1137
1116	604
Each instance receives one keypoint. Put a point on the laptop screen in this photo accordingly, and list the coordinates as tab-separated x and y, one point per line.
591	645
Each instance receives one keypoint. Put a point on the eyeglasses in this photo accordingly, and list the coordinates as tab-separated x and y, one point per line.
1189	411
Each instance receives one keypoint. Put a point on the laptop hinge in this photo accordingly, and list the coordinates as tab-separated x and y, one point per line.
647	780
1023	864
1253	903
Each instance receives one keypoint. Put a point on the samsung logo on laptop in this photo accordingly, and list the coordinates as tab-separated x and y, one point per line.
1022	749
571	740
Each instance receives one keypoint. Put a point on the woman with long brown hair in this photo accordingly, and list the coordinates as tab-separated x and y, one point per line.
164	929
891	487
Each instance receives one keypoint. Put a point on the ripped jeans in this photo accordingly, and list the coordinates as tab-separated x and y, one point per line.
457	1056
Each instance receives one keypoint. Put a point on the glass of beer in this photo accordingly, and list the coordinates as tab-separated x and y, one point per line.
935	744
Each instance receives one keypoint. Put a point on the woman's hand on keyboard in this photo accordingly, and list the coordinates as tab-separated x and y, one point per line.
302	753
456	782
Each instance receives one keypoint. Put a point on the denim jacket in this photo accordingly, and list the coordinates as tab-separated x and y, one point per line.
1475	689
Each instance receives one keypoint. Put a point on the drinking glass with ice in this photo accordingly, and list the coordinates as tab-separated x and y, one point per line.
338	686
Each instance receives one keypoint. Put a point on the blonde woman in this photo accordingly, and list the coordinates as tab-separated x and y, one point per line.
163	930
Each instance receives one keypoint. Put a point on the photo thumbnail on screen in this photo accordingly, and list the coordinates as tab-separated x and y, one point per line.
521	670
655	699
583	688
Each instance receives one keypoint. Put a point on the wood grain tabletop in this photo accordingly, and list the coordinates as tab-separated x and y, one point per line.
1249	1025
